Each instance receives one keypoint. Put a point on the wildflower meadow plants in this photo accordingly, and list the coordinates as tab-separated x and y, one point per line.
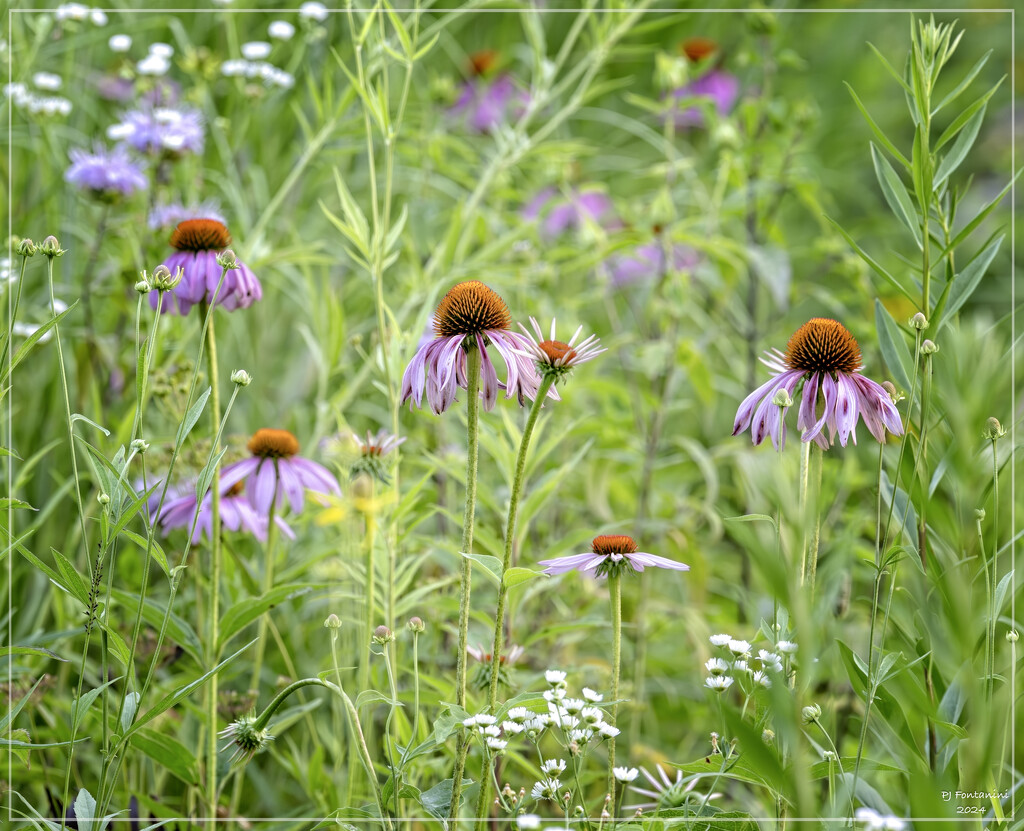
336	518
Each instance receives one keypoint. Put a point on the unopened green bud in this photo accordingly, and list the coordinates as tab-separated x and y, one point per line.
768	736
929	347
810	713
993	429
1012	636
26	248
140	445
241	378
51	248
227	259
782	398
103	499
143	286
163	280
333	621
919	322
416	625
382	635
979	514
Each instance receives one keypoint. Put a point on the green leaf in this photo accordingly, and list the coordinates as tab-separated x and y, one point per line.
970	227
375	696
961	120
168	753
191	417
17	504
819	770
517	575
85	810
951	161
894	348
154	612
437	800
155	551
79	417
966	82
896	194
753	518
33	339
965	283
881	272
80	706
246	611
30	650
131	704
491	565
206	475
882	137
72	579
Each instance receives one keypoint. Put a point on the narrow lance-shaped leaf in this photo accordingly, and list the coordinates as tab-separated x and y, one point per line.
894	349
896	194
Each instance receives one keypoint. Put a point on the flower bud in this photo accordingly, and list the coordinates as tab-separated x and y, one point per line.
929	347
163	280
226	259
993	429
782	398
140	445
895	395
919	322
143	286
382	635
767	736
812	712
26	248
241	378
1012	636
979	514
103	499
416	625
333	621
51	248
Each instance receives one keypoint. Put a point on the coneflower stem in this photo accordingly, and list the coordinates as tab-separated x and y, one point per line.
994	577
805	466
268	584
615	593
215	562
369	538
473	360
510	534
818	463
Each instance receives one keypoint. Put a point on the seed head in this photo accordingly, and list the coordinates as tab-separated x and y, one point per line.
143	286
246	737
895	395
140	445
823	345
273	444
470	308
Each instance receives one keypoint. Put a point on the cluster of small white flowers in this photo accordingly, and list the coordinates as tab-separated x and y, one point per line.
874	821
280	30
272	76
80	12
743	662
120	43
25	99
158	61
47	81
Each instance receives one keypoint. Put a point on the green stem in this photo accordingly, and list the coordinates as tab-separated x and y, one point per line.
615	593
268	584
805	466
994	576
989	628
839	763
473	361
13	317
816	529
215	567
371	574
510	535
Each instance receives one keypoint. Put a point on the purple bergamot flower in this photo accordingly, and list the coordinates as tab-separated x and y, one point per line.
485	103
715	84
106	174
822	357
275	471
470	313
161	131
648	262
198	243
610	554
558	212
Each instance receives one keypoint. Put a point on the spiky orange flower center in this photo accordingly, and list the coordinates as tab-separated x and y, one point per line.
273	444
697	49
470	308
614	544
556	350
236	489
823	345
200	235
482	62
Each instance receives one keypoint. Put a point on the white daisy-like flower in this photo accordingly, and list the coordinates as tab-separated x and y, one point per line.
552	767
153	65
486	718
591	715
591	695
538	723
767	657
496	744
546	789
491	730
528	822
786	647
313	11
761	677
98	17
554	676
520	714
625	774
72	11
741	666
716	666
120	43
718	683
607	730
162	50
720	640
557	694
573	706
470	722
256	50
512	728
738	647
47	80
567	722
581	736
280	30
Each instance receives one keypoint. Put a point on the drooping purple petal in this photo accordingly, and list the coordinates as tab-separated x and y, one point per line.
562	565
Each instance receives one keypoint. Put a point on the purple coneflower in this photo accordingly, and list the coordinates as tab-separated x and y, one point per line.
276	468
559	212
161	131
106	174
823	356
715	84
648	262
236	514
553	357
198	243
470	313
168	215
486	103
610	555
